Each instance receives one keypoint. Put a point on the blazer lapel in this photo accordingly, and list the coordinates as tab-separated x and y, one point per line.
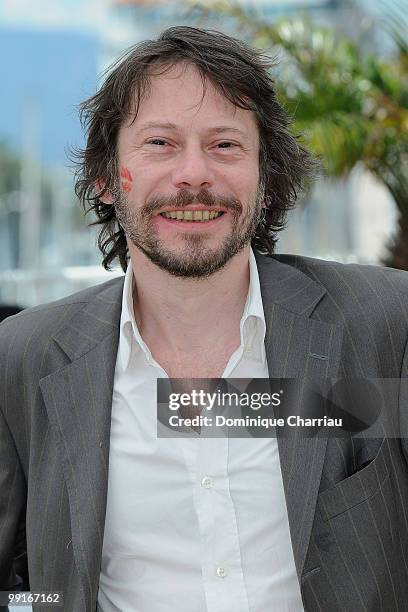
78	400
298	346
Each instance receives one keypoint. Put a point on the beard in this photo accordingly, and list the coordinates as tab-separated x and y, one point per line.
194	260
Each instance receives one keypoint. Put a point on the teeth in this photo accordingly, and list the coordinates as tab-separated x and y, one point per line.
191	215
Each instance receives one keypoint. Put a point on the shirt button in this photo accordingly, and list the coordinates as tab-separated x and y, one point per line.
207	482
248	351
221	572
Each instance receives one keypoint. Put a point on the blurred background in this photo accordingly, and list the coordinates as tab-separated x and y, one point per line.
341	74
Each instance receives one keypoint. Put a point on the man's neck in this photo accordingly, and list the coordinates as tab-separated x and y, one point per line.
187	315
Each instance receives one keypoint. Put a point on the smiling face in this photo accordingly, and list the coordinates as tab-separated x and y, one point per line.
188	195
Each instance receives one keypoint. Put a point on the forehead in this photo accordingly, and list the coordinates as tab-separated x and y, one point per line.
181	96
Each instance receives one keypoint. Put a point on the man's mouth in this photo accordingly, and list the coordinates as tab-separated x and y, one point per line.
192	215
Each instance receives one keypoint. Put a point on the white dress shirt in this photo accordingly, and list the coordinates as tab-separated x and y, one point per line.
192	524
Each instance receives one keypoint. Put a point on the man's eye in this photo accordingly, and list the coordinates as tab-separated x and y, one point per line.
226	145
157	141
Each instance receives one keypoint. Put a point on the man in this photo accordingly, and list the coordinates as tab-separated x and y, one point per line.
190	169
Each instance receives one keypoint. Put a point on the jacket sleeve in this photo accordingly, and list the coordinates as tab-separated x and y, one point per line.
13	548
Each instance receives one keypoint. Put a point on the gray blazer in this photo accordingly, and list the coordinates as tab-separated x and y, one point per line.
347	500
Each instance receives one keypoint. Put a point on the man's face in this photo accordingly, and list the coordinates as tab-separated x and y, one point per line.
194	159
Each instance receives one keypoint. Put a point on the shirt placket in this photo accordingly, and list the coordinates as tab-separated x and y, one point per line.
223	578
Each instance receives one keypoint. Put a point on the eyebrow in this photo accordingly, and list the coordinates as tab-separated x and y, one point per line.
171	126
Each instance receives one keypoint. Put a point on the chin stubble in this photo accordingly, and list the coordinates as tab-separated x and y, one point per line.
195	260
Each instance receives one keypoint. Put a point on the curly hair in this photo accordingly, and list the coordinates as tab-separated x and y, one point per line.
236	70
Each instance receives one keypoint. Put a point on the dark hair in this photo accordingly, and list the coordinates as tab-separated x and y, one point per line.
241	74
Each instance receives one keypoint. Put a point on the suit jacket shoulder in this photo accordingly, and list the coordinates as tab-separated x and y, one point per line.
368	303
376	292
361	279
32	328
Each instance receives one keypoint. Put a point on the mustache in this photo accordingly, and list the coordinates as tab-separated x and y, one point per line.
185	198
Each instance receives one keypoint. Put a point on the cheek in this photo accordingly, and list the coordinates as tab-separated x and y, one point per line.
244	187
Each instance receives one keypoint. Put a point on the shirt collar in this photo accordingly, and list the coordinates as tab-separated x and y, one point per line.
129	331
253	313
254	306
252	326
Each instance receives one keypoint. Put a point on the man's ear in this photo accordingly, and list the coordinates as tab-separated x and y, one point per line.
107	197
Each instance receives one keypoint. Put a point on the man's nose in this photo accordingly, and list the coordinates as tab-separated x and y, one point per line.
193	169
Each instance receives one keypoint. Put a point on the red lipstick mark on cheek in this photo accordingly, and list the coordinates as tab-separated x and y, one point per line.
126	179
125	174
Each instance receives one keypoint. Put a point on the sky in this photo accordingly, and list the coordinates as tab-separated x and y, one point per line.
94	14
86	14
53	53
48	72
